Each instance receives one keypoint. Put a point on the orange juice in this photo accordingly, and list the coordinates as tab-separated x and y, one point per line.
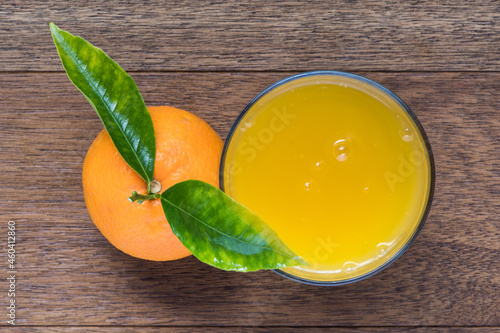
337	166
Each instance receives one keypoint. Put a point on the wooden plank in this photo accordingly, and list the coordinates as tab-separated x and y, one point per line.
97	329
68	274
258	35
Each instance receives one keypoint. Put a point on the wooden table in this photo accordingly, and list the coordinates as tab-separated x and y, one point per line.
212	58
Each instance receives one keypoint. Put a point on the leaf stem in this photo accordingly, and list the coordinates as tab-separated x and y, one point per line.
140	198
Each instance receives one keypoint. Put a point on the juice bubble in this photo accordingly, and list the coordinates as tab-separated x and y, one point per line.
341	150
382	249
406	134
249	122
349	267
307	186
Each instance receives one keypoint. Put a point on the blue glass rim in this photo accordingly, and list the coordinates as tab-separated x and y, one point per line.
415	120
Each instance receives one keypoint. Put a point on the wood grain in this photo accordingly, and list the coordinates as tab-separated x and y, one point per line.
68	274
97	329
428	35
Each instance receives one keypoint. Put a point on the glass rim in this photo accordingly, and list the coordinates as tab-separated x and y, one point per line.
415	120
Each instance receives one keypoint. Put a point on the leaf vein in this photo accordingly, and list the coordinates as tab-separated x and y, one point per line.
83	69
224	234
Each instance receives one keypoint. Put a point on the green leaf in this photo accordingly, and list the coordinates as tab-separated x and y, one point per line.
114	96
221	232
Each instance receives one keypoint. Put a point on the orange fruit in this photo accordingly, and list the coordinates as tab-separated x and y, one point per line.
186	148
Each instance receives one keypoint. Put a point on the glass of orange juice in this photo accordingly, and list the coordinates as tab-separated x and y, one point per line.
338	166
